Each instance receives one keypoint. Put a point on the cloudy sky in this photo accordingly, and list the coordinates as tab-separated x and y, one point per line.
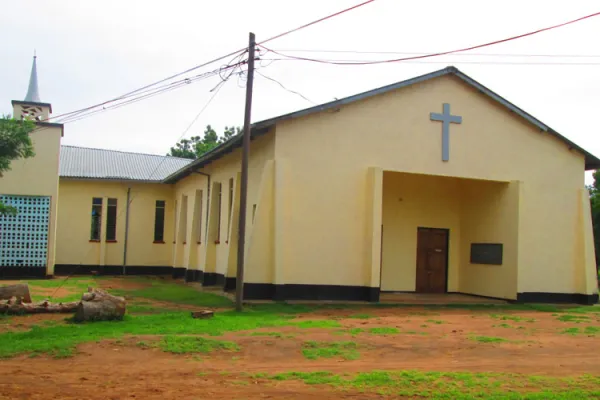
91	53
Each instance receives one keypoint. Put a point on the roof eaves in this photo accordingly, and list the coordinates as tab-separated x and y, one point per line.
591	161
112	179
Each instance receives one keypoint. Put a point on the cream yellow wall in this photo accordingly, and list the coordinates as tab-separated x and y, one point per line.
74	224
212	256
330	152
38	176
411	201
489	213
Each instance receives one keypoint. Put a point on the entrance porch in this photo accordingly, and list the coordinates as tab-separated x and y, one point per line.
450	235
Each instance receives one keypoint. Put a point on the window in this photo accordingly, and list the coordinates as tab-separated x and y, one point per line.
230	204
253	212
183	220
159	221
96	218
199	199
111	220
175	223
219	186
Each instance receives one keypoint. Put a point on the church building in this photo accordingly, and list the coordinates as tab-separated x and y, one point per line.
435	184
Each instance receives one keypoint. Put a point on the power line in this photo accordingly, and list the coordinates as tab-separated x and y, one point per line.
317	21
150	93
438	53
285	88
216	90
524	55
234	53
347	61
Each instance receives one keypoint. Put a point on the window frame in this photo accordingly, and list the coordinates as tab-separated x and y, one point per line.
110	234
96	220
159	237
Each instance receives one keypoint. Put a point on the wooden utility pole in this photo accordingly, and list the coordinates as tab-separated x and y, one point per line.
239	283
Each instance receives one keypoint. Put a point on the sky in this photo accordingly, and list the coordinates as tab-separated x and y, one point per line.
89	54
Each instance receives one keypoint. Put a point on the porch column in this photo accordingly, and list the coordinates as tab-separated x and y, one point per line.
586	281
374	230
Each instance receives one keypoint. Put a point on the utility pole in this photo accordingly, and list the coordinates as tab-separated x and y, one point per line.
239	283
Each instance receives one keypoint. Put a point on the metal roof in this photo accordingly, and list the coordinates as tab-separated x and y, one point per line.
258	128
88	163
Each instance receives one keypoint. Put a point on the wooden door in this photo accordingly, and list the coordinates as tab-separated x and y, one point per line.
432	260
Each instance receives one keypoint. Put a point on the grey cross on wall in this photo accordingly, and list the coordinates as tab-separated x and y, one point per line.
446	119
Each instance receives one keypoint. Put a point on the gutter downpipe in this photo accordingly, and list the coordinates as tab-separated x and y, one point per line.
126	231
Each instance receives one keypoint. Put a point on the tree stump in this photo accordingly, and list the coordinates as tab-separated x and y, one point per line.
98	305
16	307
20	290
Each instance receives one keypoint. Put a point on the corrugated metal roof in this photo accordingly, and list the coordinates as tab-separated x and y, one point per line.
88	163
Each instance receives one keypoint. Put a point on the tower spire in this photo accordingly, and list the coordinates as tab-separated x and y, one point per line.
33	92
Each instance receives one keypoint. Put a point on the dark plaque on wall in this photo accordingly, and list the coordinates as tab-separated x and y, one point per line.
486	253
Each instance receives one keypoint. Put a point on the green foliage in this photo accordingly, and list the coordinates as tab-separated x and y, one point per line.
15	143
314	350
196	146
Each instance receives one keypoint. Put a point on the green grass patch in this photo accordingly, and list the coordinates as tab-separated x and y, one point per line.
515	318
193	344
577	318
436	321
588	330
384	331
278	335
488	339
452	385
319	323
362	316
175	293
61	340
315	350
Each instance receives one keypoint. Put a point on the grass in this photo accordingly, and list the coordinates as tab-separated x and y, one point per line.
361	316
588	330
175	293
452	385
193	344
314	350
488	339
384	330
573	318
516	318
61	340
435	321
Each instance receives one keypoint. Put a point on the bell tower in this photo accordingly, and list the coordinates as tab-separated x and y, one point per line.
32	107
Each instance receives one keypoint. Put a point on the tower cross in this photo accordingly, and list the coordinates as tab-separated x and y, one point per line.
446	119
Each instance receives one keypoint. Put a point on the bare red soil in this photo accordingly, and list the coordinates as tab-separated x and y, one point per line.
426	341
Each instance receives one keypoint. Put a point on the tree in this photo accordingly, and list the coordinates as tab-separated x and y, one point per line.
15	143
196	146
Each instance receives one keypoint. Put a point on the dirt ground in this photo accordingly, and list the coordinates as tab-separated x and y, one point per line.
427	341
